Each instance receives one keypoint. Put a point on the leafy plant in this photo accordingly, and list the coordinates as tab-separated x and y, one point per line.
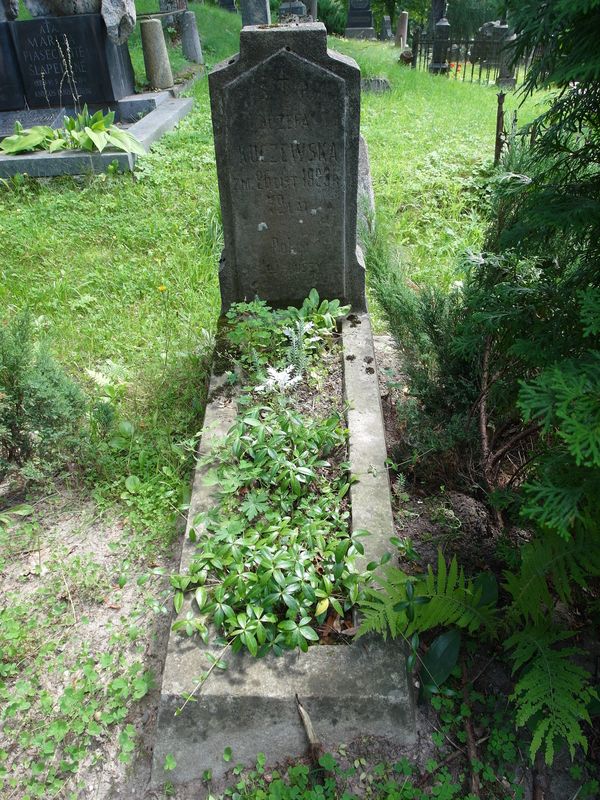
85	131
40	407
275	553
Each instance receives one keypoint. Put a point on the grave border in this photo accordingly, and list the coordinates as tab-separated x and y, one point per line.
148	130
350	691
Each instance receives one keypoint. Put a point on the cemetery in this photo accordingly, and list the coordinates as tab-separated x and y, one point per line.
298	400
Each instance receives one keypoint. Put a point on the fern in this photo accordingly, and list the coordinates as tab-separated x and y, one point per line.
552	692
442	599
550	563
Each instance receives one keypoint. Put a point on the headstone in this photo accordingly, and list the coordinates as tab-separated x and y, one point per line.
402	31
11	85
285	115
439	59
156	57
360	20
255	12
506	74
313	10
52	117
292	8
228	5
190	41
63	58
375	85
386	29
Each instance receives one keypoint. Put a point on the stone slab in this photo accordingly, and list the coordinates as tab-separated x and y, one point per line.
285	117
349	691
133	107
148	130
63	57
11	85
255	12
52	117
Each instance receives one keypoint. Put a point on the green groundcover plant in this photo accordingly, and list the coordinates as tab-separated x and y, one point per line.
85	131
276	553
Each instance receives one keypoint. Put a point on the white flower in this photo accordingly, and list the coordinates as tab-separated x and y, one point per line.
279	380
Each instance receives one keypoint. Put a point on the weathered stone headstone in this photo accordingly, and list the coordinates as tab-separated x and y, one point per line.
156	57
360	20
190	40
402	31
11	86
285	115
255	12
228	5
386	29
376	85
291	8
313	9
67	59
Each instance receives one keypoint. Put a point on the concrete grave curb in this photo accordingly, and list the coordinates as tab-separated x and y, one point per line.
349	691
166	114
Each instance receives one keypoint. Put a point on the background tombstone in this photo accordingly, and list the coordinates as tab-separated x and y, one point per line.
439	60
69	60
386	29
228	5
360	20
292	8
11	86
255	12
285	117
402	31
190	40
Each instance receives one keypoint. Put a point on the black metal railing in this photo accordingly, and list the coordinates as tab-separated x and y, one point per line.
468	60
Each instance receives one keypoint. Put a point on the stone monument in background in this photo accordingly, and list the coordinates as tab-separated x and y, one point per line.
360	20
285	115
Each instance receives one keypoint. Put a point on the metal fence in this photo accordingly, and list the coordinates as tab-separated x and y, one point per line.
468	60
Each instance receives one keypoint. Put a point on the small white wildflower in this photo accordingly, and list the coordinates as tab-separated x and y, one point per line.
457	286
279	380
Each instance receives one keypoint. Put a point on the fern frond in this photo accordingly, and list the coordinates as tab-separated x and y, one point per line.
443	599
377	606
550	562
452	600
552	692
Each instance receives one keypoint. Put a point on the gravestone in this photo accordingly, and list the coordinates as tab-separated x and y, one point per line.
386	29
190	40
65	57
402	31
255	12
285	115
11	86
228	5
360	20
292	8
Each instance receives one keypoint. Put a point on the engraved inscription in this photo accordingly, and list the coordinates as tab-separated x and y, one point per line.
287	156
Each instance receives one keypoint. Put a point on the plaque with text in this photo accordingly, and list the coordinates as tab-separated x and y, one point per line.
66	61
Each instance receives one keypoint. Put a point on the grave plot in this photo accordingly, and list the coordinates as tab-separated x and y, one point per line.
286	125
52	67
